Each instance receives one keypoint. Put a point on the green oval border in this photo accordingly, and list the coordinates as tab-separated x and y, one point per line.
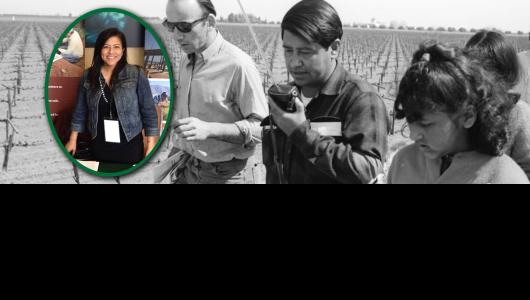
171	102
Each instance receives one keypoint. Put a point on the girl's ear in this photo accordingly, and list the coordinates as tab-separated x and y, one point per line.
469	117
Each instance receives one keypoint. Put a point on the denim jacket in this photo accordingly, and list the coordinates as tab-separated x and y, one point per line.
134	103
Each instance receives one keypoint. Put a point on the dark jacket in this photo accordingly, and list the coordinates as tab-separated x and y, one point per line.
355	157
134	103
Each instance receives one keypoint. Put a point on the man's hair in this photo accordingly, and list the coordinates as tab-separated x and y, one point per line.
314	21
207	5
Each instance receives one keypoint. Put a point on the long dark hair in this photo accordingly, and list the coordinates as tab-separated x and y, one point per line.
446	79
97	63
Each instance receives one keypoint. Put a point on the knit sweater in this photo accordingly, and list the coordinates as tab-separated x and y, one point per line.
518	146
410	166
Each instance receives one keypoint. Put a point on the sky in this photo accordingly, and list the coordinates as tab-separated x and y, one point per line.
513	15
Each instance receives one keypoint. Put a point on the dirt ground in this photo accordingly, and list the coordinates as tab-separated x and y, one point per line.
36	157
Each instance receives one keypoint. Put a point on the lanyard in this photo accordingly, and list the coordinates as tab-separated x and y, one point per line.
105	97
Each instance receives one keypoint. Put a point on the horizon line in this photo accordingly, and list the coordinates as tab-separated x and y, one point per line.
346	25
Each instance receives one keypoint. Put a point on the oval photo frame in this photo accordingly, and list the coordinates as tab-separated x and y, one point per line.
64	74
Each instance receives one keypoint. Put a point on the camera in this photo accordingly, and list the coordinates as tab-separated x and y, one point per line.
284	96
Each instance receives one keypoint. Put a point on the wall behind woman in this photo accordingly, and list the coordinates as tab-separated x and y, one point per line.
62	89
133	30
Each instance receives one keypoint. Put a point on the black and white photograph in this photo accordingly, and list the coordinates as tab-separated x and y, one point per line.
284	91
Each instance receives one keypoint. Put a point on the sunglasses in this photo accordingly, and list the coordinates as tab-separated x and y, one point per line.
183	27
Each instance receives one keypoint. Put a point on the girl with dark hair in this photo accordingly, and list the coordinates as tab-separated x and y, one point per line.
458	117
496	53
115	104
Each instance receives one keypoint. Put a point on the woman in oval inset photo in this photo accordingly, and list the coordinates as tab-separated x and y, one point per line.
115	106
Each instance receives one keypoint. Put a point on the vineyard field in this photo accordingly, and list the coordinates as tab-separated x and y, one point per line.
29	154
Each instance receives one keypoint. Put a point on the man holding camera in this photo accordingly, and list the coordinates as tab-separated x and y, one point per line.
220	101
338	132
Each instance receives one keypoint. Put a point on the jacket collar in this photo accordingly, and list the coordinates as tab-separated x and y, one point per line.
127	72
335	82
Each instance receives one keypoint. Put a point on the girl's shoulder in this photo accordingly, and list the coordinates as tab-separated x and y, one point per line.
504	170
409	152
407	166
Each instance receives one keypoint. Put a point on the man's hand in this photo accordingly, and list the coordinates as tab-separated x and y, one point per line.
288	122
193	129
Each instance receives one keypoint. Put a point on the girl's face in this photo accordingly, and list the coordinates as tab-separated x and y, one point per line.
112	52
439	134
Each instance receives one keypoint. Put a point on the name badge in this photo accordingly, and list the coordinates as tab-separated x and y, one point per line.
112	132
327	128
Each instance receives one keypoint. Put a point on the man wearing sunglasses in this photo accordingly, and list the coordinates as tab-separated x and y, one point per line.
220	100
